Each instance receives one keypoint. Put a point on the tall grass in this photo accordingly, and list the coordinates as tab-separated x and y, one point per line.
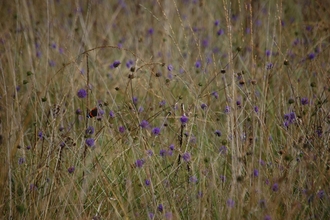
205	109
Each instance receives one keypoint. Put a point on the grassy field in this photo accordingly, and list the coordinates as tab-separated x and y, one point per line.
197	109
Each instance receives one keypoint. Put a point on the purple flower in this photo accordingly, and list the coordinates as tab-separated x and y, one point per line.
71	169
255	172
116	63
53	45
223	178
198	64
215	94
275	187
304	101
51	63
203	106
162	152
90	142
268	53
151	31
151	215
227	109
111	114
170	67
150	153
216	22
311	56
121	129
220	32
256	109
82	93
160	208
134	100
230	203
90	130
162	103
155	131
40	135
267	217
139	163
184	119
28	147
21	160
321	194
144	124
217	133
223	150
186	156
171	147
147	182
193	179
78	111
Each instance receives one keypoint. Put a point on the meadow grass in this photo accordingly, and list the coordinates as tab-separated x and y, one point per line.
205	109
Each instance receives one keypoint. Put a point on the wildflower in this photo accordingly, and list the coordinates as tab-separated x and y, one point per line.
198	64
121	129
51	63
82	93
223	178
162	103
111	114
268	53
275	187
215	94
321	194
150	153
134	100
217	133
151	215
256	109
78	111
151	31
203	106
71	169
90	130
160	208
267	217
40	135
171	147
170	68
227	109
216	22
223	150
304	101
21	160
147	182
139	163
183	119
186	156
28	147
311	56
162	152
255	172
144	124
116	63
220	32
53	45
155	131
90	142
193	179
230	203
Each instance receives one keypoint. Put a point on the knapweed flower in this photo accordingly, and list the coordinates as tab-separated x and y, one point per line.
160	208
227	109
147	182
135	100
275	187
71	169
90	130
155	131
203	106
304	101
186	156
82	93
162	152
216	22
139	163
217	133
144	124
40	135
198	64
150	31
21	160
90	142
215	94
256	109
268	53
116	63
171	147
311	56
184	119
170	67
111	114
28	147
230	203
193	179
255	172
122	129
223	150
220	32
